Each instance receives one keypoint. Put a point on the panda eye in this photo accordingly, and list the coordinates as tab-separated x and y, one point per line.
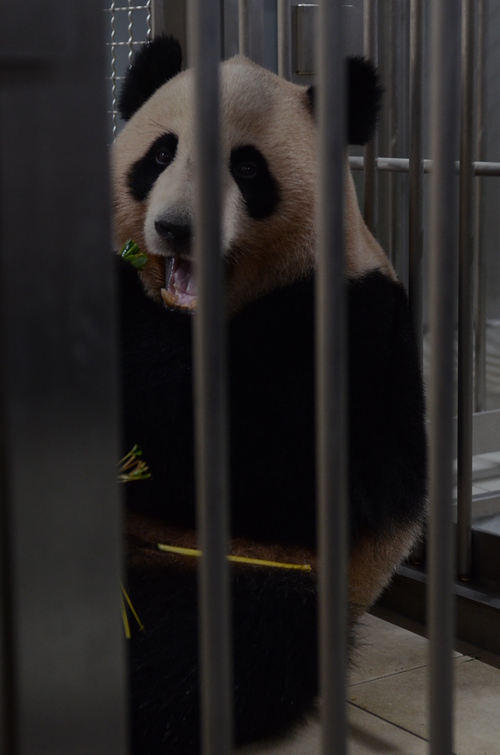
246	169
164	156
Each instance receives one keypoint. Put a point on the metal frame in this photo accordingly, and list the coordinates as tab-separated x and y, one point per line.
331	383
444	108
62	675
58	417
211	391
370	30
466	278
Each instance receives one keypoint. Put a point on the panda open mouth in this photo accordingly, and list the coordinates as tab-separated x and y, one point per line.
180	290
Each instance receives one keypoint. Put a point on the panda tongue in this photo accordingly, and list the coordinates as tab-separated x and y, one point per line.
181	284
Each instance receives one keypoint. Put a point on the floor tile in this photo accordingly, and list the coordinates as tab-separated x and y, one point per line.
384	649
415	627
370	734
402	700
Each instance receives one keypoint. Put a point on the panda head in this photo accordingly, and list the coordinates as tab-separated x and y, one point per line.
269	175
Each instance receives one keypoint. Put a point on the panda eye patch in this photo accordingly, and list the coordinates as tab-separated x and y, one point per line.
257	185
142	175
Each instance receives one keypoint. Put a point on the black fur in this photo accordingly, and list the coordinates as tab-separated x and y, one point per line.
273	624
152	66
144	172
272	433
271	350
364	95
257	184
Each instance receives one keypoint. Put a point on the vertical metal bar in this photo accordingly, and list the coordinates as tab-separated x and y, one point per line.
370	31
251	29
170	17
243	24
416	220
230	41
130	29
284	39
331	383
396	252
149	21
114	110
59	409
444	108
480	256
210	390
466	293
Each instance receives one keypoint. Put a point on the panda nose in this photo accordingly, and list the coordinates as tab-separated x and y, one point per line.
177	236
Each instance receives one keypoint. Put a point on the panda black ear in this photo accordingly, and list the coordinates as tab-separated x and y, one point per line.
152	66
364	100
364	94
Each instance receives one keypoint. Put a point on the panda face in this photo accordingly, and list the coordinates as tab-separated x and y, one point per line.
268	178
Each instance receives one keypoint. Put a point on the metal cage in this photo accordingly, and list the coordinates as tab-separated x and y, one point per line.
62	658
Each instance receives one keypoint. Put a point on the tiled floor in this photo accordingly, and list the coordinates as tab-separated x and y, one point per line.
387	699
391	684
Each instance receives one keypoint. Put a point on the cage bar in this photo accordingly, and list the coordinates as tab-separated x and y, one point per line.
251	29
444	108
416	214
480	256
466	293
211	390
402	165
284	40
370	32
395	246
60	526
331	383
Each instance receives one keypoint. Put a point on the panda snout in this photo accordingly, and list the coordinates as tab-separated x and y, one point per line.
178	236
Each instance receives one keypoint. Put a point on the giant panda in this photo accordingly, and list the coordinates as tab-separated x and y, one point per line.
269	186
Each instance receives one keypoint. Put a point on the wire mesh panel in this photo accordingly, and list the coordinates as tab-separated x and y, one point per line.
131	26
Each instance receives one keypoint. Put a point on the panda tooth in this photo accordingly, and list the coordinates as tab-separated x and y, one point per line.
168	298
169	264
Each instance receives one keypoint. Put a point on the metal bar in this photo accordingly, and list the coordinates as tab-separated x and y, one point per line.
145	6
395	247
130	30
210	390
331	383
480	256
170	17
370	45
243	27
230	42
114	77
466	293
58	387
416	212
149	21
402	165
251	29
444	109
306	20
284	19
416	193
